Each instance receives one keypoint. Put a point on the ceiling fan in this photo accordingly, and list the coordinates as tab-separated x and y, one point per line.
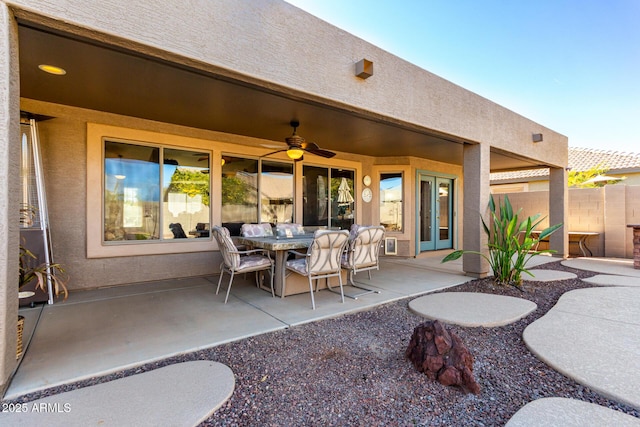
297	146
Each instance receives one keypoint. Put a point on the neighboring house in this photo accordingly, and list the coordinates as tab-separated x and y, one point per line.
162	100
625	166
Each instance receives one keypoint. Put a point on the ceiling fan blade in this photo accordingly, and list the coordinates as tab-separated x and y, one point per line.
313	148
274	152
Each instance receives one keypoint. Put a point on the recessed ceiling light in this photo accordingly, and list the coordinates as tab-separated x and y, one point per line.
52	69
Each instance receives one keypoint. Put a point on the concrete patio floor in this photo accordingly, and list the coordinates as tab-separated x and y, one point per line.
102	331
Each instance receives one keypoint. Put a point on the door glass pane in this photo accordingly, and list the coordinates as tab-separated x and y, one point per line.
391	201
185	187
276	192
425	210
239	193
342	200
444	190
131	192
315	189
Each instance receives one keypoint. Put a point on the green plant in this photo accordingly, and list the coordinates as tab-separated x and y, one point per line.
30	270
578	178
511	243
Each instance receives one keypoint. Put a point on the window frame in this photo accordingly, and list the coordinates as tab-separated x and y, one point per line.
217	144
97	134
357	207
403	202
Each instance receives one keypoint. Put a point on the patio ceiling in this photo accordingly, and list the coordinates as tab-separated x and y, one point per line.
110	79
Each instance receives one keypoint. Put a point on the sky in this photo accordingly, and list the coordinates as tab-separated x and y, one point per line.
570	65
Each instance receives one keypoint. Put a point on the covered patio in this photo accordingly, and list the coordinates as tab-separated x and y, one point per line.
216	90
102	331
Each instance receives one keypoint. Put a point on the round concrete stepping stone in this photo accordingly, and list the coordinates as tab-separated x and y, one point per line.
617	266
559	411
593	336
548	275
178	395
472	308
611	280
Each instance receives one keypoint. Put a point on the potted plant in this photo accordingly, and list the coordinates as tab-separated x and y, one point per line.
30	270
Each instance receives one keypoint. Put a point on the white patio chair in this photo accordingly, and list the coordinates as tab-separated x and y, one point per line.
362	254
235	261
322	259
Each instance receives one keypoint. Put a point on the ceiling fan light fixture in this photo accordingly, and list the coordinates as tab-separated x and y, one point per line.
52	69
295	153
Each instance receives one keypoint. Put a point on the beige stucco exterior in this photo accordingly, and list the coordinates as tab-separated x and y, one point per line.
269	44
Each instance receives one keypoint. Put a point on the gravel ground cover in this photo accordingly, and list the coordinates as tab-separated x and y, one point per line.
351	370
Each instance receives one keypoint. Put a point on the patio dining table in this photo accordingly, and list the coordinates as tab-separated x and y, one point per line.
280	246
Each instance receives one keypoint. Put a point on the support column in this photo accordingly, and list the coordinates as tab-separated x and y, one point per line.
559	211
476	200
9	192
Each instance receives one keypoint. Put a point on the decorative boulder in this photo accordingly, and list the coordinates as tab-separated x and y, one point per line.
442	356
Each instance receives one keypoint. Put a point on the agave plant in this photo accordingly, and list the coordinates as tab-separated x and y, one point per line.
30	270
511	243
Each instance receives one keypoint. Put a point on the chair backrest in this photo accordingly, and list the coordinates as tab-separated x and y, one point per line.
177	230
256	230
364	248
289	229
226	246
326	251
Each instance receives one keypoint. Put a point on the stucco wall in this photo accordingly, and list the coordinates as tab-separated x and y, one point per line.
605	210
64	147
9	199
275	42
64	159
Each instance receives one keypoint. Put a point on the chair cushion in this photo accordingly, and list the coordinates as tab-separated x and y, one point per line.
298	265
226	246
253	262
287	230
256	230
353	231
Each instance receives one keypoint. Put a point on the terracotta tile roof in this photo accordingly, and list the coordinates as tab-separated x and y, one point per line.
580	159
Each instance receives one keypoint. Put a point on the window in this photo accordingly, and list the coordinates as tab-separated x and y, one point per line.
276	192
153	193
242	181
239	192
391	208
328	197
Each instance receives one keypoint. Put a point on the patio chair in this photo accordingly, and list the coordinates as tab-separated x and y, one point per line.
322	259
177	230
362	253
235	261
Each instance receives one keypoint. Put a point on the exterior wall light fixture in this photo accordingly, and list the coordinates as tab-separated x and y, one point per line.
364	69
537	137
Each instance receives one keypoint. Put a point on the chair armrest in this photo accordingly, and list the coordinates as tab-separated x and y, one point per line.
293	251
251	251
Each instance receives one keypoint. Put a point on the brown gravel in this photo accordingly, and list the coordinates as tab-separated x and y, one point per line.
351	370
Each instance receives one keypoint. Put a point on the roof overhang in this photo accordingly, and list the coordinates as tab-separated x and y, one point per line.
109	78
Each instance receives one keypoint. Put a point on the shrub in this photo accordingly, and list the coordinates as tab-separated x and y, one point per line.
511	243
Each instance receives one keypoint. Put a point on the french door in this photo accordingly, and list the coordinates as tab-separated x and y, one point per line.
435	212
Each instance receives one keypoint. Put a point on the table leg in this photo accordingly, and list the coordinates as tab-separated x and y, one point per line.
280	271
583	246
